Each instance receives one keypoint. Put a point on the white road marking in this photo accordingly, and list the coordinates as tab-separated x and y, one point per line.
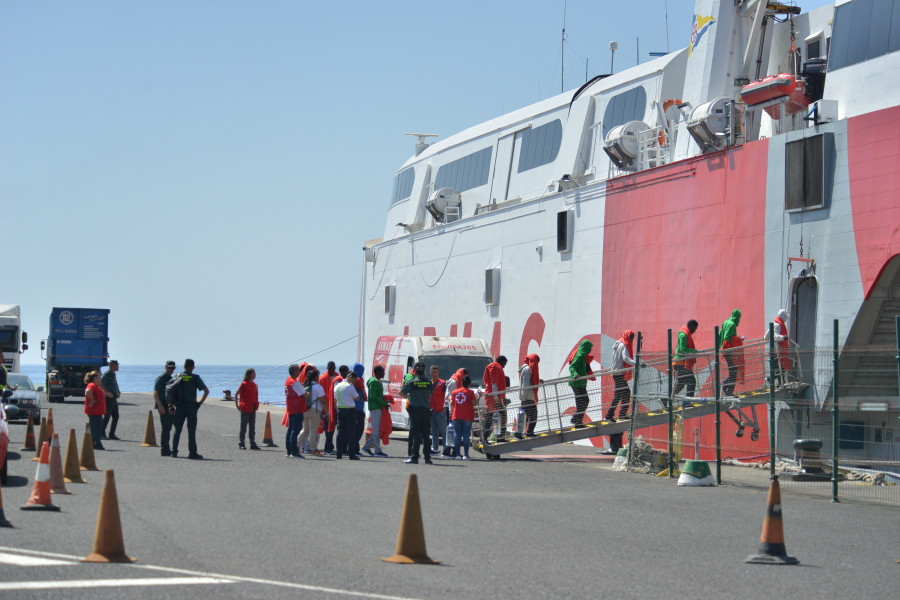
31	561
231	578
91	583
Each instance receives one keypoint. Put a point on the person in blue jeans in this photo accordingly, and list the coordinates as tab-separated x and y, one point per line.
462	401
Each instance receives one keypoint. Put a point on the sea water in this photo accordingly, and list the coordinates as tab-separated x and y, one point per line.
218	378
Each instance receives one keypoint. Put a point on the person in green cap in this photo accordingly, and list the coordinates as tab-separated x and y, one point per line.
578	369
727	340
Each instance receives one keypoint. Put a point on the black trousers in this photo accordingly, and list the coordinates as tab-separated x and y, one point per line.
112	412
581	404
347	442
684	378
420	430
621	397
165	429
186	412
531	413
731	381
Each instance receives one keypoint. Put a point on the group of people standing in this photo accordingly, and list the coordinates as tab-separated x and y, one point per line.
335	404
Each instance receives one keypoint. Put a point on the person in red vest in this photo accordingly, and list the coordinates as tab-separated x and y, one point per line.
783	343
329	414
494	395
682	361
295	406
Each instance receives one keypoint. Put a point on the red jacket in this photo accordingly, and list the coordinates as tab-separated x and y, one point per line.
784	349
494	376
99	407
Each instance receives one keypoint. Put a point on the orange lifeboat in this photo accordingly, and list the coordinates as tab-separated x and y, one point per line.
774	87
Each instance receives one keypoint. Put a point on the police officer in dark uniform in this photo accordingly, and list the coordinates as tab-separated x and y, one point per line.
190	383
166	414
418	390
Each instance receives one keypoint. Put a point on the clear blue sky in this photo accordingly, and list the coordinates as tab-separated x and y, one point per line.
208	170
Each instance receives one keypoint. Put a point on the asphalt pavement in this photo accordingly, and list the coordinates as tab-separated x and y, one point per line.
255	524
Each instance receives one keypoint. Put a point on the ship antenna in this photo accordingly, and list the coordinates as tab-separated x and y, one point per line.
562	53
666	3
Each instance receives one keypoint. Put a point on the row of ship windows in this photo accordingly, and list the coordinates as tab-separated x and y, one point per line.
862	30
539	146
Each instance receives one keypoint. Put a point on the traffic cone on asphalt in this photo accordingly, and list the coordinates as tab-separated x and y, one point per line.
267	432
29	435
3	521
87	450
411	537
50	430
771	542
109	547
150	433
57	485
40	493
42	437
71	472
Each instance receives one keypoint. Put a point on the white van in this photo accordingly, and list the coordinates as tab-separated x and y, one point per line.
398	354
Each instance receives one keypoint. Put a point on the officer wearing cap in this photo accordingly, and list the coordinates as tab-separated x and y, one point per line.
111	389
165	413
418	390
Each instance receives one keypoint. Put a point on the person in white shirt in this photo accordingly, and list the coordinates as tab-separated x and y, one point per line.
308	441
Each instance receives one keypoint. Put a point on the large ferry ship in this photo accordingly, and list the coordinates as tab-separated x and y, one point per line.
756	169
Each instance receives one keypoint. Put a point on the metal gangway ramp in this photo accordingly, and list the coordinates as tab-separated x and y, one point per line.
556	402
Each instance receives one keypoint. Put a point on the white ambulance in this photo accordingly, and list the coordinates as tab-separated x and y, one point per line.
398	354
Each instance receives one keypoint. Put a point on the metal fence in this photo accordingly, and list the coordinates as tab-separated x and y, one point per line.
835	437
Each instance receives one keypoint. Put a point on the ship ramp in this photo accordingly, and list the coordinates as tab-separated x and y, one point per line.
506	431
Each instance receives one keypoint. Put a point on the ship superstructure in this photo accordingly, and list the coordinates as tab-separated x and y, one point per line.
756	169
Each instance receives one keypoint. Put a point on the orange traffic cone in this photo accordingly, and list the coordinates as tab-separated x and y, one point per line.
72	473
267	432
87	450
57	485
50	430
29	435
771	542
40	493
3	521
411	537
109	547
42	437
150	433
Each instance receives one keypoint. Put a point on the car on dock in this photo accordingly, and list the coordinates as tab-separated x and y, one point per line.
25	397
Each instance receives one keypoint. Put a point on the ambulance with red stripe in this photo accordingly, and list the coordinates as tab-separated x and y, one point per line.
398	354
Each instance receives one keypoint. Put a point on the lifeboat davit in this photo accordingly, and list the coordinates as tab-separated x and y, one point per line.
775	87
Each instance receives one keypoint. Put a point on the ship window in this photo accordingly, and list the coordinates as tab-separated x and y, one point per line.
465	173
624	107
804	166
403	184
540	145
813	49
862	30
